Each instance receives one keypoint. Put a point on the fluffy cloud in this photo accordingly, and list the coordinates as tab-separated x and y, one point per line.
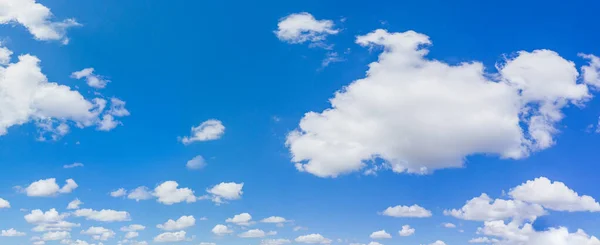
104	215
515	234
118	193
414	211
483	208
313	239
167	193
438	242
74	204
380	235
93	80
170	237
591	72
55	226
303	27
419	115
274	241
241	219
56	235
226	191
26	96
483	240
12	232
449	225
37	216
48	187
36	18
209	130
140	193
221	230
406	231
73	165
255	233
4	203
196	163
179	224
134	227
99	233
274	219
553	195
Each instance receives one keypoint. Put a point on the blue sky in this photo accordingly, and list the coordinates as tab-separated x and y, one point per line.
495	98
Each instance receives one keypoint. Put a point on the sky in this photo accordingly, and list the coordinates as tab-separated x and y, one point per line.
299	122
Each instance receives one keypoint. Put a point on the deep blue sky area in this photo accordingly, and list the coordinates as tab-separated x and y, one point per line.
180	63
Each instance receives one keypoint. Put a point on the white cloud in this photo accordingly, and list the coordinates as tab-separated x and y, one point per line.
104	215
179	224
274	219
243	219
196	163
28	96
36	18
438	242
48	188
134	227
74	204
5	55
118	193
483	240
37	216
73	165
380	235
209	130
93	80
221	230
553	195
483	208
226	191
303	27
449	225
55	226
168	193
515	234
140	193
406	231
313	239
56	235
99	233
274	241
208	243
170	237
297	228
131	234
12	232
4	203
414	211
419	115
591	72
254	233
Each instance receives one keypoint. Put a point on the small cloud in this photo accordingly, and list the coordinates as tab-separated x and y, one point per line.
74	165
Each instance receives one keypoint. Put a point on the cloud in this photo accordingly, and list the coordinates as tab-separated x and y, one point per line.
104	215
140	193
208	243
99	233
134	227
221	230
515	234
179	224
12	232
438	242
414	211
74	204
406	231
274	241
56	235
74	165
170	237
242	219
418	115
118	193
313	239
48	188
591	72
483	240
4	203
303	27
483	208
93	80
553	195
254	233
50	220
167	193
196	163
26	96
36	18
380	235
274	219
209	130
226	191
